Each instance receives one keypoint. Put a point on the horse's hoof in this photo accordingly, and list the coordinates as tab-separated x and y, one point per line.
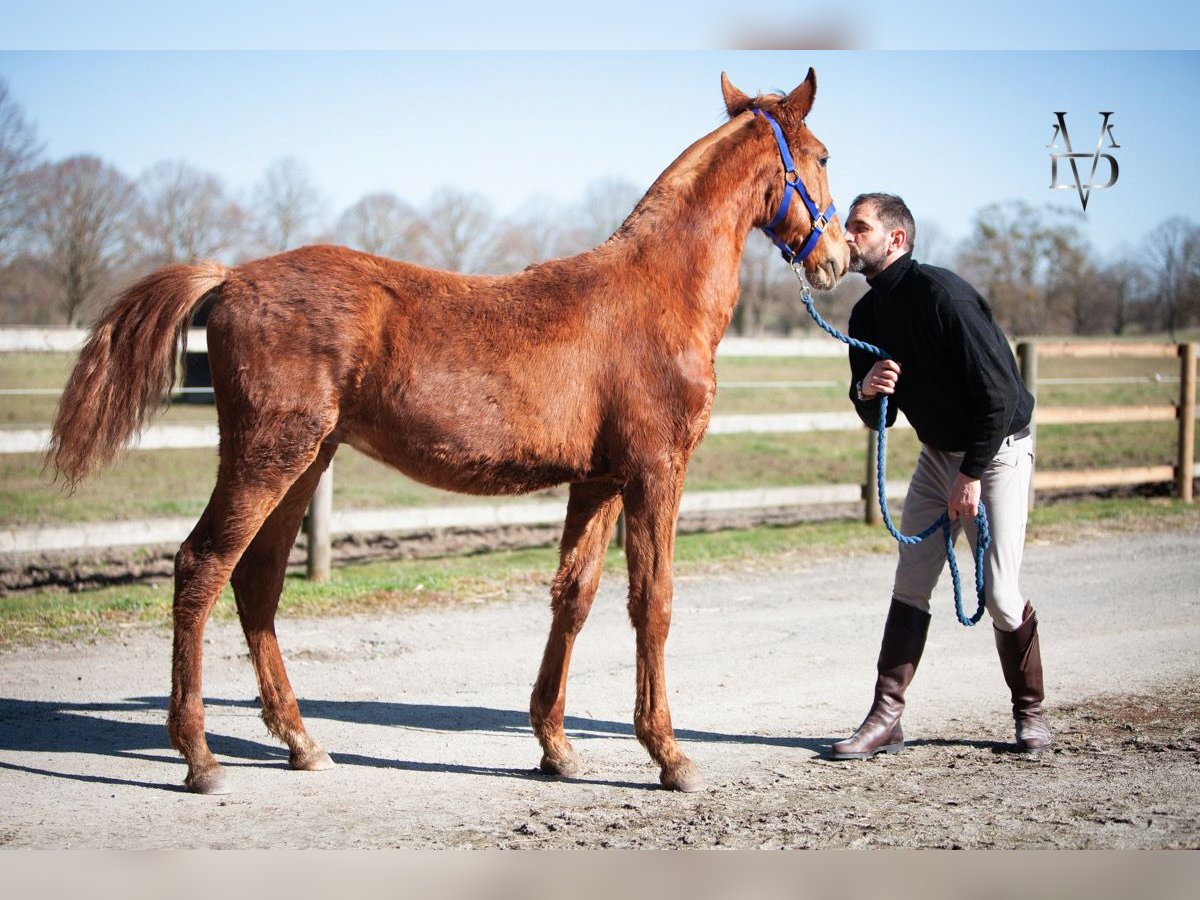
570	766
685	778
209	781
315	760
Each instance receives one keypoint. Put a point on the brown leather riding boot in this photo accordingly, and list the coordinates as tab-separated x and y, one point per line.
903	641
1021	659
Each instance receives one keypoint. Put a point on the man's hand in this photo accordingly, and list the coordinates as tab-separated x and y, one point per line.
964	497
881	379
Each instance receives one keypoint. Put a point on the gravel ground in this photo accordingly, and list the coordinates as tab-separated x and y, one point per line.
425	713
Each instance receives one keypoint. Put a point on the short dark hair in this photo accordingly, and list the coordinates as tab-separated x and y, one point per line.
893	212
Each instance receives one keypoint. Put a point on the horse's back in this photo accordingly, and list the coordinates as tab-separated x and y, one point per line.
333	310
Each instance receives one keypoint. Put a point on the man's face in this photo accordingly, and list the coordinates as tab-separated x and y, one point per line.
868	239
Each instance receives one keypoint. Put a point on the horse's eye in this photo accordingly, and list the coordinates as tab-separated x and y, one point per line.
824	161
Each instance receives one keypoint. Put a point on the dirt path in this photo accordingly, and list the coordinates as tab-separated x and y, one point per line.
425	714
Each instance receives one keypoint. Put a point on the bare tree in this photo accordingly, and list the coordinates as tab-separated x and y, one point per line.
1173	253
517	244
286	205
460	230
1032	265
607	202
27	296
383	224
759	278
932	245
19	152
81	218
834	305
1189	305
186	215
1003	257
540	229
1121	294
1072	285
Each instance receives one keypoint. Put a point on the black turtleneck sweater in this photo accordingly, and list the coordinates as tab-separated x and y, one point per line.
959	385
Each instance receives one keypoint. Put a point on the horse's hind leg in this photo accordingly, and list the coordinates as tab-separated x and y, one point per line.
651	512
591	512
257	582
251	481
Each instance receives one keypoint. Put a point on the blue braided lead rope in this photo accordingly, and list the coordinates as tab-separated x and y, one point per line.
984	538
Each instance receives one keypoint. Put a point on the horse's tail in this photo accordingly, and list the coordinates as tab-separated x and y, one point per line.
126	365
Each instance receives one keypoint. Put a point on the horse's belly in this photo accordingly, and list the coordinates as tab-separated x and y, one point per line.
474	456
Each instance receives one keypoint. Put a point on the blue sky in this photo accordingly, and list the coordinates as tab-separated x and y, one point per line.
951	131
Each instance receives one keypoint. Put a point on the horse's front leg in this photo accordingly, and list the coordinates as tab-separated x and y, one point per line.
651	511
591	512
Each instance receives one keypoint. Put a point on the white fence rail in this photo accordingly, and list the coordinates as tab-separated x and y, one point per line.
70	340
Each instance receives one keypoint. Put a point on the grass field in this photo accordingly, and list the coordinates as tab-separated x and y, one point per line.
150	484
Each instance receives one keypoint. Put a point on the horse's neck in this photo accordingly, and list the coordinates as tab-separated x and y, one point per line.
693	222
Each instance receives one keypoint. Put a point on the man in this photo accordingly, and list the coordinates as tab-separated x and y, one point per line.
954	376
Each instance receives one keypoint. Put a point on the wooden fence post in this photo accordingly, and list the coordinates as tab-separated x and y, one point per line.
871	513
317	527
1028	356
1184	472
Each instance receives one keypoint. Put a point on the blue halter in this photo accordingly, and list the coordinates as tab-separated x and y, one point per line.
791	178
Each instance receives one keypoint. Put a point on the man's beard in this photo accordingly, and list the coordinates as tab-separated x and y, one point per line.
869	263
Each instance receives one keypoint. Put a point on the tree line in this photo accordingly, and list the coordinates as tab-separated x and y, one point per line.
1035	267
74	231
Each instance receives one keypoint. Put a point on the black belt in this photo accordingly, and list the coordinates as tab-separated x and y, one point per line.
1018	435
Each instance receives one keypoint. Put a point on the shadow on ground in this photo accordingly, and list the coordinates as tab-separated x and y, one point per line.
104	729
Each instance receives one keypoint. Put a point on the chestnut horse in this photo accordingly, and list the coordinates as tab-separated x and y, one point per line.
595	370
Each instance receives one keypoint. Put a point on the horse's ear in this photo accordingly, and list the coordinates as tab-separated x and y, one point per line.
800	101
736	102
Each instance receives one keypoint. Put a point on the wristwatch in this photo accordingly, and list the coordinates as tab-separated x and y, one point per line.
858	390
